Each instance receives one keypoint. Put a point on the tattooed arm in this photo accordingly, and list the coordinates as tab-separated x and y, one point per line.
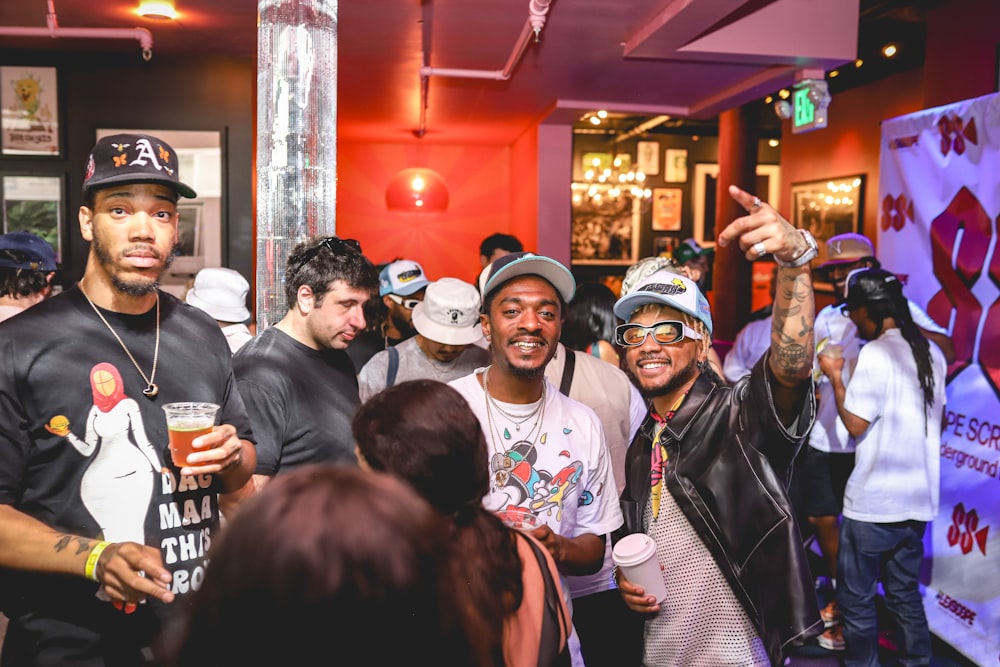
794	312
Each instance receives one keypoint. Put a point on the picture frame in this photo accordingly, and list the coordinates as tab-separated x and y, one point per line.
827	207
676	166
667	207
648	157
604	228
29	111
34	203
703	191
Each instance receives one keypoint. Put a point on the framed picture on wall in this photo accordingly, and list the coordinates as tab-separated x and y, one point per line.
703	191
605	227
29	111
677	166
828	207
34	204
667	209
648	157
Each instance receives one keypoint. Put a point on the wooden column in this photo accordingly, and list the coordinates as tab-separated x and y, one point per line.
731	282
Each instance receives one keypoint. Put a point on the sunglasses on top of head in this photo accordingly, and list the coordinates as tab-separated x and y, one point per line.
409	304
334	244
664	333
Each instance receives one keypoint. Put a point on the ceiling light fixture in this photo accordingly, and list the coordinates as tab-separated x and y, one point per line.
160	10
890	50
417	190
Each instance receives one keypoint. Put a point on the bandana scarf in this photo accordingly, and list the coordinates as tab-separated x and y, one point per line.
658	457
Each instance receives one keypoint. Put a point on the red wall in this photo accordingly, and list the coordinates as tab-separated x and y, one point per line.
445	244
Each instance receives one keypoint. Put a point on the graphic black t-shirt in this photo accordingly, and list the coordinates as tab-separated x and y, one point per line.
85	452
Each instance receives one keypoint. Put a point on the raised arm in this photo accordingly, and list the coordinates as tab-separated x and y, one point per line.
764	231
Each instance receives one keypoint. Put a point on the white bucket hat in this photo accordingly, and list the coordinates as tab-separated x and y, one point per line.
449	313
220	292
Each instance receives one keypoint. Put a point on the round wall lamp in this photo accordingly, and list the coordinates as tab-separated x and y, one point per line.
417	190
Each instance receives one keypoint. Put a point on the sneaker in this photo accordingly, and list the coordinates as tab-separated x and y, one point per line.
830	614
832	639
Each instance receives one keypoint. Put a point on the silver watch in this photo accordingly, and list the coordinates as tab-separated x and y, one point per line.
807	255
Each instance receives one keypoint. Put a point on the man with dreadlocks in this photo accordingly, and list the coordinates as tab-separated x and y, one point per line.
893	408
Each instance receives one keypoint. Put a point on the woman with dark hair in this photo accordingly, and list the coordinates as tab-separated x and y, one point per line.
590	322
424	432
328	564
893	407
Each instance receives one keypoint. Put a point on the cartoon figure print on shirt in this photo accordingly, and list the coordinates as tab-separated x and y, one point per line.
528	488
118	484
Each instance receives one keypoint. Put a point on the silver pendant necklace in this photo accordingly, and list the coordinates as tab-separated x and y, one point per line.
151	389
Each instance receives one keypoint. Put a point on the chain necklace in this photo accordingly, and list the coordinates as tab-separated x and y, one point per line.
516	420
501	463
151	389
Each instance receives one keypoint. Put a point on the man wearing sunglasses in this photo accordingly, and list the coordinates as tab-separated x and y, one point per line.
298	383
401	284
706	475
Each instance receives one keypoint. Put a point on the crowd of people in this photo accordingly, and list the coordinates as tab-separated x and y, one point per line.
406	469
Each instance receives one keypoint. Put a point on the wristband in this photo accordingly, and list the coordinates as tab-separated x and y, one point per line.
95	555
807	255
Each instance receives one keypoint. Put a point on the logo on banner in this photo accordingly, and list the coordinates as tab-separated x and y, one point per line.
964	530
955	608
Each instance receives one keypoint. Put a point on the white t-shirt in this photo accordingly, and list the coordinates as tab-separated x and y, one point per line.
896	473
415	365
750	344
557	466
829	433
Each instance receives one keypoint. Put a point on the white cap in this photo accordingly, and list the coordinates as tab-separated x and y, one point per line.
220	292
670	289
449	313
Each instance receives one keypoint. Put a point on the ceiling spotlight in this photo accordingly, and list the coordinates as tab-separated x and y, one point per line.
768	99
783	109
773	143
784	93
594	120
889	50
157	9
834	73
602	114
858	63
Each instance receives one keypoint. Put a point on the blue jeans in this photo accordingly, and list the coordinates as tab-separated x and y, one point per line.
892	551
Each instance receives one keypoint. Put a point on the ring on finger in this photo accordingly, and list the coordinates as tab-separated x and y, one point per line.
758	248
756	204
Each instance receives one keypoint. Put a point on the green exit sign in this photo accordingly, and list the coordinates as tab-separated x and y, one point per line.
809	101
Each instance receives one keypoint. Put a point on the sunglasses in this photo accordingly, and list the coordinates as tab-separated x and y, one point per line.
334	244
409	304
664	333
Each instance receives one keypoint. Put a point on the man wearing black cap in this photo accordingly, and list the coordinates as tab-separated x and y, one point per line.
548	455
99	531
707	472
27	264
893	408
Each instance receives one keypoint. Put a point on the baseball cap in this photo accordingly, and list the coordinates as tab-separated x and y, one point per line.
449	313
220	292
403	277
688	250
38	253
518	264
670	289
133	158
866	284
846	249
642	269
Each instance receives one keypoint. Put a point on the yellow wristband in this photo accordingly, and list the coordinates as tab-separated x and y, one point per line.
95	554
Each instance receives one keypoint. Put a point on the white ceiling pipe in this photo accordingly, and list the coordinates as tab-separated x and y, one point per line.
142	35
537	11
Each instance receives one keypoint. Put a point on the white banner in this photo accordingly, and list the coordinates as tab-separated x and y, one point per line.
939	194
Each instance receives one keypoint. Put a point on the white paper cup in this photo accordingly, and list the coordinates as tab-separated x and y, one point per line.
635	554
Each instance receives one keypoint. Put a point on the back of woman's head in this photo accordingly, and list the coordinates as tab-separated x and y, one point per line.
590	316
327	561
425	432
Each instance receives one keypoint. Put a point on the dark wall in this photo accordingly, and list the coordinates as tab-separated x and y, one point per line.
121	90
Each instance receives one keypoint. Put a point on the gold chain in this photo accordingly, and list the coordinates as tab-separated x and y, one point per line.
151	389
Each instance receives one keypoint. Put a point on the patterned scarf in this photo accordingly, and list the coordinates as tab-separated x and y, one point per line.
658	458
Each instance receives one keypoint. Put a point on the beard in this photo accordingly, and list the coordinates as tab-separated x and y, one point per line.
404	327
680	378
133	287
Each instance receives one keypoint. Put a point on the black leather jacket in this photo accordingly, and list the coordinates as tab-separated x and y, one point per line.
729	460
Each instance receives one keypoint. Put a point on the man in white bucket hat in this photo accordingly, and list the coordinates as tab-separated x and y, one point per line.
447	324
222	293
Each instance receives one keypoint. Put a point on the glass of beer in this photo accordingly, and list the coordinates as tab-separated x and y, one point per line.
185	422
